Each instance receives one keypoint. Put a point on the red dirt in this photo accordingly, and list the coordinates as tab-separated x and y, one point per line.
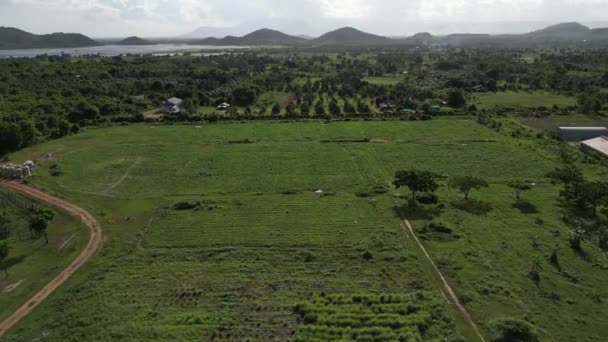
446	289
94	244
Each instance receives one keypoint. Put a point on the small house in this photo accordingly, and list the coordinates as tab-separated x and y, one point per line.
386	107
581	133
172	106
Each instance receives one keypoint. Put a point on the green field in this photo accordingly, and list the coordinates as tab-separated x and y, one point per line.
266	256
32	262
523	99
384	80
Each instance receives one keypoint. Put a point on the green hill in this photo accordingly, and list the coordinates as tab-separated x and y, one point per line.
134	41
260	37
348	36
12	38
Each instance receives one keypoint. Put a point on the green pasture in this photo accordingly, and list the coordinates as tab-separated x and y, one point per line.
291	215
523	99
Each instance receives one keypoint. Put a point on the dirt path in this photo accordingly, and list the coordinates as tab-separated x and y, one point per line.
94	244
445	287
135	163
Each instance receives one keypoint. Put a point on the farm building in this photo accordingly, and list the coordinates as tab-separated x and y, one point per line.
171	106
597	145
581	133
16	171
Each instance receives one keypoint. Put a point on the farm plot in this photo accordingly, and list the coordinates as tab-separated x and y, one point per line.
523	99
257	248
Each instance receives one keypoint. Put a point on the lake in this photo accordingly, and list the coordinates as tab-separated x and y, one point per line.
115	50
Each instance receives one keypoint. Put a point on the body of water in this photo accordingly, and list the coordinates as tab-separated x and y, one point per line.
115	50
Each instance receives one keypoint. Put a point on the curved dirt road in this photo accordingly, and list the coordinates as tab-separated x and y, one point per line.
94	244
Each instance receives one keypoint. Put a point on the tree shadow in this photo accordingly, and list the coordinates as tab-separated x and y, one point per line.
473	206
525	207
418	212
10	262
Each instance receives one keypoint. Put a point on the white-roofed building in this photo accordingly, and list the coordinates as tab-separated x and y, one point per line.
598	145
581	133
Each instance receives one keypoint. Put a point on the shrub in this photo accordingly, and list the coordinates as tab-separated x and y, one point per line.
187	205
509	330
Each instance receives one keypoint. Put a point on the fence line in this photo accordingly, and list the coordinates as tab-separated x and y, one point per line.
12	198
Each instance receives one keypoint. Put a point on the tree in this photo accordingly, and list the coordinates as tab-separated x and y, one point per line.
468	183
10	137
276	109
456	98
508	330
189	106
4	250
349	108
305	109
519	186
587	194
40	222
334	108
568	174
244	95
319	109
416	181
5	221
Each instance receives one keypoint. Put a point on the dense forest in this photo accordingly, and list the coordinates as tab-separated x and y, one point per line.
53	96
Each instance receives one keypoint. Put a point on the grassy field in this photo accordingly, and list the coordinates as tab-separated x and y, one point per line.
523	99
384	80
32	263
265	255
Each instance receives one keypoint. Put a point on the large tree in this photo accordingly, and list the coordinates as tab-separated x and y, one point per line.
40	222
467	184
519	186
587	195
416	181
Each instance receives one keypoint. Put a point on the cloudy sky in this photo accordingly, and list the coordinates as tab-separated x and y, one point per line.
159	18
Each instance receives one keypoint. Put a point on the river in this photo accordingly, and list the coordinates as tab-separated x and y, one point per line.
116	50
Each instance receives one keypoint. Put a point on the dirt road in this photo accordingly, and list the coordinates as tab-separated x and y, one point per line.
445	287
94	244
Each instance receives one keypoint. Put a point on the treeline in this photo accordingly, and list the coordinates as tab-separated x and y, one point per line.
51	96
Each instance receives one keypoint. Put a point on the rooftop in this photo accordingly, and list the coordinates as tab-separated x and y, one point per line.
175	101
583	128
599	144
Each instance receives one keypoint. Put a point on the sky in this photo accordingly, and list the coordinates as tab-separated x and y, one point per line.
168	18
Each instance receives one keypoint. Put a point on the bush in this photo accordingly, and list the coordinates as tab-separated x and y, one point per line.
510	330
187	205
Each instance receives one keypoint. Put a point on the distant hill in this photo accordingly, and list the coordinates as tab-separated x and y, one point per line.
134	41
12	38
563	30
349	36
260	37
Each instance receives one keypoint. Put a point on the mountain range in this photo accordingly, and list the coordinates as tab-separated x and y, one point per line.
12	38
565	34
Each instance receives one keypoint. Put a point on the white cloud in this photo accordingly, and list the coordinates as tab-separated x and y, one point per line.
169	17
345	9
